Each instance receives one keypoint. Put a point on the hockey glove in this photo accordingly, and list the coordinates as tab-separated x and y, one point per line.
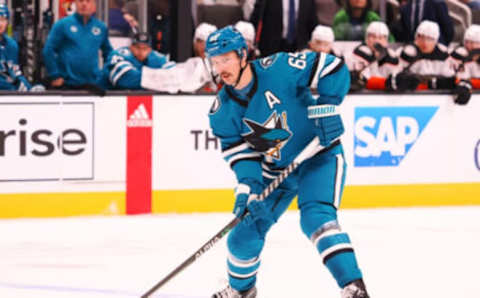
357	82
22	84
441	83
402	82
463	93
247	201
327	124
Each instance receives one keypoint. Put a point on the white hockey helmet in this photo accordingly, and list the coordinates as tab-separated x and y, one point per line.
378	28
203	31
428	28
472	34
323	33
247	30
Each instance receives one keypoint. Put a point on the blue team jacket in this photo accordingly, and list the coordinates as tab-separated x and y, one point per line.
71	50
123	71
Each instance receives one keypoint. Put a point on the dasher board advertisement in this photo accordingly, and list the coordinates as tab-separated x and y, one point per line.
46	140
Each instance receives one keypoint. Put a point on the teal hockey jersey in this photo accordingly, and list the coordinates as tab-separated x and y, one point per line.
264	132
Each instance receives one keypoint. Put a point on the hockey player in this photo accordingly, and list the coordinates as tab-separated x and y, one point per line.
71	50
11	77
248	32
200	36
428	59
123	68
321	40
260	116
467	65
375	66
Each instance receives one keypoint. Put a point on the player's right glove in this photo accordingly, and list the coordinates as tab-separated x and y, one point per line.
246	200
327	123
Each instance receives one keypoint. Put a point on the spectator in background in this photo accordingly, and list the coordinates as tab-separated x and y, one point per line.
11	77
375	66
71	50
322	41
130	14
473	4
416	11
116	21
248	32
123	68
428	59
467	62
285	24
200	36
350	23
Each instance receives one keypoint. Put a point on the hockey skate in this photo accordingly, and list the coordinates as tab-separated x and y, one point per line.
228	292
355	289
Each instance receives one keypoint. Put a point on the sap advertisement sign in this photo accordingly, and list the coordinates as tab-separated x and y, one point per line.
384	135
46	141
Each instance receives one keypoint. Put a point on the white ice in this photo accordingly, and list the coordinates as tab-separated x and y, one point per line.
411	252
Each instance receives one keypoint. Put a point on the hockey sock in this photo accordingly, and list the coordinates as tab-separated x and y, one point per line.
337	253
242	274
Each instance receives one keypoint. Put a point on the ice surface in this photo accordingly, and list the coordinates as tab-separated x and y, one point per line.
411	252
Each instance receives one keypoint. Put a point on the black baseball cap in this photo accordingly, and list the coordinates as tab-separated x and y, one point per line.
142	37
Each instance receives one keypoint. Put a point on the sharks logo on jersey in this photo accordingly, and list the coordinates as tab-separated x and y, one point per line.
269	137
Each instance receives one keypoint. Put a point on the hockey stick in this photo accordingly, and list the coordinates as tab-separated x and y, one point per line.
310	150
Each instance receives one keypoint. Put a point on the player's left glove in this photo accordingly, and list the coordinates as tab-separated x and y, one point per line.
327	123
246	200
463	93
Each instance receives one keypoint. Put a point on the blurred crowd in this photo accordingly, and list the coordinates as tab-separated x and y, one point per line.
419	46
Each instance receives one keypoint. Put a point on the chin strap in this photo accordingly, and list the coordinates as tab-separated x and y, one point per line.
242	69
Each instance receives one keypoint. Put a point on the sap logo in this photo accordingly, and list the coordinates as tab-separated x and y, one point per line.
384	135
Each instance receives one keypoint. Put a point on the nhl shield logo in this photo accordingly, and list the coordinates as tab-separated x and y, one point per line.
268	61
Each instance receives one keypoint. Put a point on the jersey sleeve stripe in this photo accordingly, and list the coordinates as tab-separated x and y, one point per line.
368	58
320	64
241	156
312	74
332	67
268	175
252	157
235	149
116	67
121	73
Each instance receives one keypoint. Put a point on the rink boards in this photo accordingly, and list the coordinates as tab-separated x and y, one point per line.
62	156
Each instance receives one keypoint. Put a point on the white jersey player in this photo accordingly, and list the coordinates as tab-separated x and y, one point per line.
428	59
375	66
466	59
322	40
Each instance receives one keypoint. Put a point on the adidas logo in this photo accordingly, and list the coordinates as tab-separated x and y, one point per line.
139	117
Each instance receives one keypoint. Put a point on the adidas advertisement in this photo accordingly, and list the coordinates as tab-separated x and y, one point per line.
139	154
46	141
410	139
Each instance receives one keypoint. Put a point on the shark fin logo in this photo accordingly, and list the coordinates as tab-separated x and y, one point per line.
269	137
383	136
